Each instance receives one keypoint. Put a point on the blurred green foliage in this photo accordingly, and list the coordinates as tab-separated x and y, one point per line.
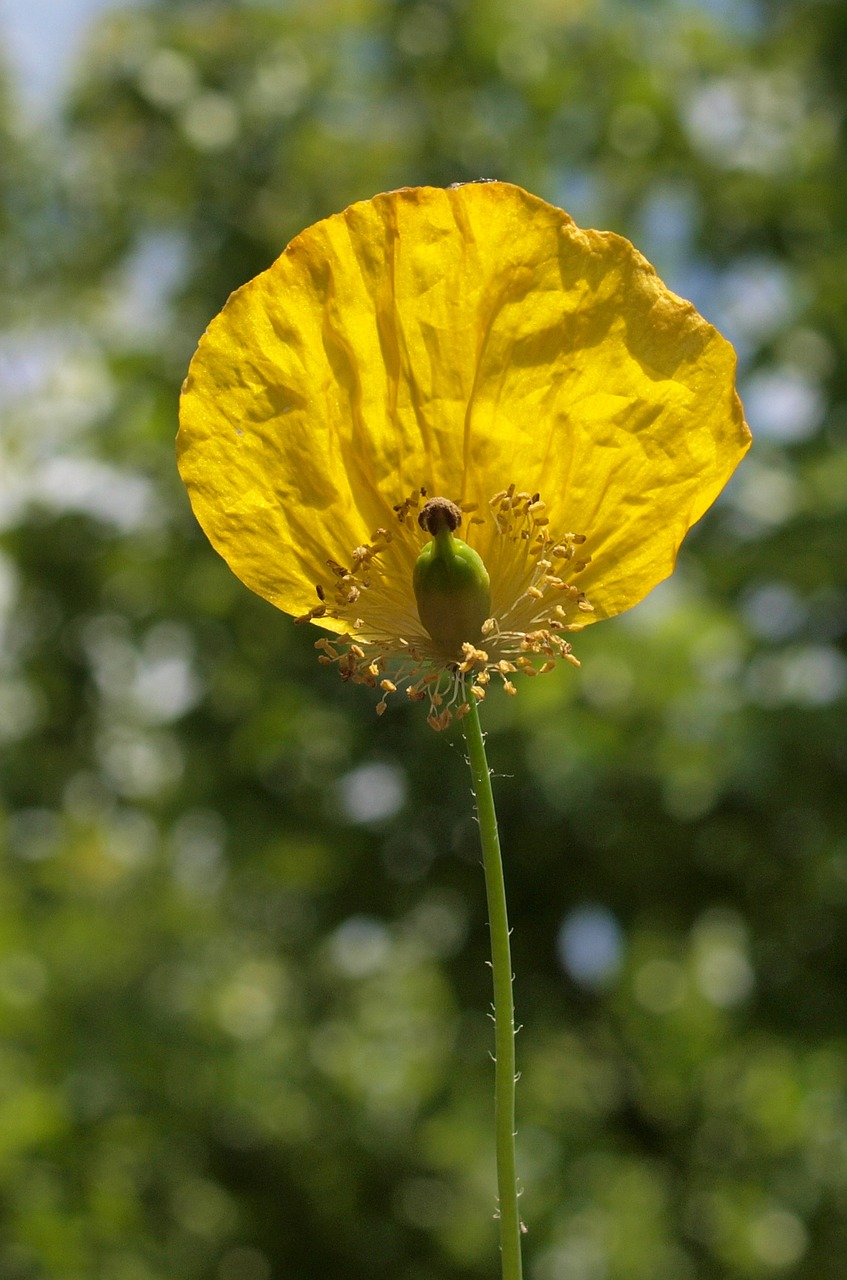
243	988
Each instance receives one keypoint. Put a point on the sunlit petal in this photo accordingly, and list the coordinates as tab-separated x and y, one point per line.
471	343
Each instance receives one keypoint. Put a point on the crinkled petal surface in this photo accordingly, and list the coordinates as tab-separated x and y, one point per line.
461	340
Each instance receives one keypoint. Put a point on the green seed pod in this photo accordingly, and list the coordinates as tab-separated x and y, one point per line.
451	583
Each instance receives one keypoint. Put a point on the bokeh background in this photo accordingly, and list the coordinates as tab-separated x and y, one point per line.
243	990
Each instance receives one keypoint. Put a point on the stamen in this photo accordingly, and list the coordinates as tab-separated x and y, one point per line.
534	600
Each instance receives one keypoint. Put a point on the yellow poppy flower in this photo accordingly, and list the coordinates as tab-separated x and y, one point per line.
470	344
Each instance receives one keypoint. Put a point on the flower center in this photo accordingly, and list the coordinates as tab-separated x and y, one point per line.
436	619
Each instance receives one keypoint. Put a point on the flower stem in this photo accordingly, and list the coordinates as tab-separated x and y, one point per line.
504	1009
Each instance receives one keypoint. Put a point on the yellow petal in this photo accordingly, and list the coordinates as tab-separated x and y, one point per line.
460	340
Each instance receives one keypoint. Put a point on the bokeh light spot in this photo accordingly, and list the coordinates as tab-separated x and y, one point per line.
590	945
372	792
778	1238
360	946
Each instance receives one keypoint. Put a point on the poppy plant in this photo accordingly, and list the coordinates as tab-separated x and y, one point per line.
451	429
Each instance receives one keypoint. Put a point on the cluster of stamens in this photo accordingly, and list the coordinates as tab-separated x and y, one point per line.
535	602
